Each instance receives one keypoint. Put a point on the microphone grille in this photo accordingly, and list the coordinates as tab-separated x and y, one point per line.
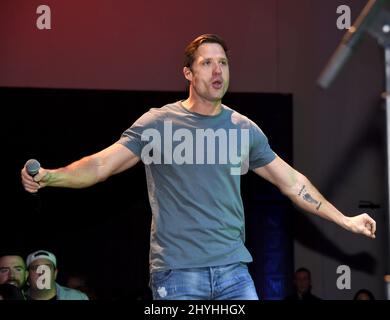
32	167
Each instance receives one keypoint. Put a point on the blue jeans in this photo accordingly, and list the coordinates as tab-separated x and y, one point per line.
229	282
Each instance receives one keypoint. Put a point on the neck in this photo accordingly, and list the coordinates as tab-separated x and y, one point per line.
201	106
42	294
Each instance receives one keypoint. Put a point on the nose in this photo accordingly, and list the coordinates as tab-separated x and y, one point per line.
11	274
217	69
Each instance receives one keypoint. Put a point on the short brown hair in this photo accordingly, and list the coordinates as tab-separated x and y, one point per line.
189	52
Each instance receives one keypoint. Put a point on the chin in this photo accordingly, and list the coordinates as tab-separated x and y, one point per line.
216	99
219	96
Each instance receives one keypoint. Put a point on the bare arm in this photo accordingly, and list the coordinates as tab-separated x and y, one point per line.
301	191
84	172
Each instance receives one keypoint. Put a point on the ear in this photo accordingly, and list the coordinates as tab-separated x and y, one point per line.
187	73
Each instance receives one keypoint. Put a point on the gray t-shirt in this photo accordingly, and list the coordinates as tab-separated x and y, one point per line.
193	164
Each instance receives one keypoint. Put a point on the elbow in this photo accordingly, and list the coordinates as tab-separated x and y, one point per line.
297	183
101	173
101	178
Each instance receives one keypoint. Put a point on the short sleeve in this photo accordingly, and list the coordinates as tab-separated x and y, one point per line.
132	137
260	152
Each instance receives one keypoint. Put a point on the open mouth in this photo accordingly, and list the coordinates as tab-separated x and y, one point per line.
217	84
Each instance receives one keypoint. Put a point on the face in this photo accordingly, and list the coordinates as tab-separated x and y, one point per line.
209	73
302	282
35	276
13	271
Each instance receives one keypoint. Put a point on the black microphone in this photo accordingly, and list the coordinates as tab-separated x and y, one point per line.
32	167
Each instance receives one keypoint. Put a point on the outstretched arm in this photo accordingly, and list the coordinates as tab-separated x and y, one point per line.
84	172
300	190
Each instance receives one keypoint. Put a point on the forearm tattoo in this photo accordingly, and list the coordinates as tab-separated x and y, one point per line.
307	197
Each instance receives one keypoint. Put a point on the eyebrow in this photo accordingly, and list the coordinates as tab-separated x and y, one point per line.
211	58
9	267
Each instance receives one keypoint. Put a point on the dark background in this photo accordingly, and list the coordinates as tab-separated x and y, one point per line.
103	231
